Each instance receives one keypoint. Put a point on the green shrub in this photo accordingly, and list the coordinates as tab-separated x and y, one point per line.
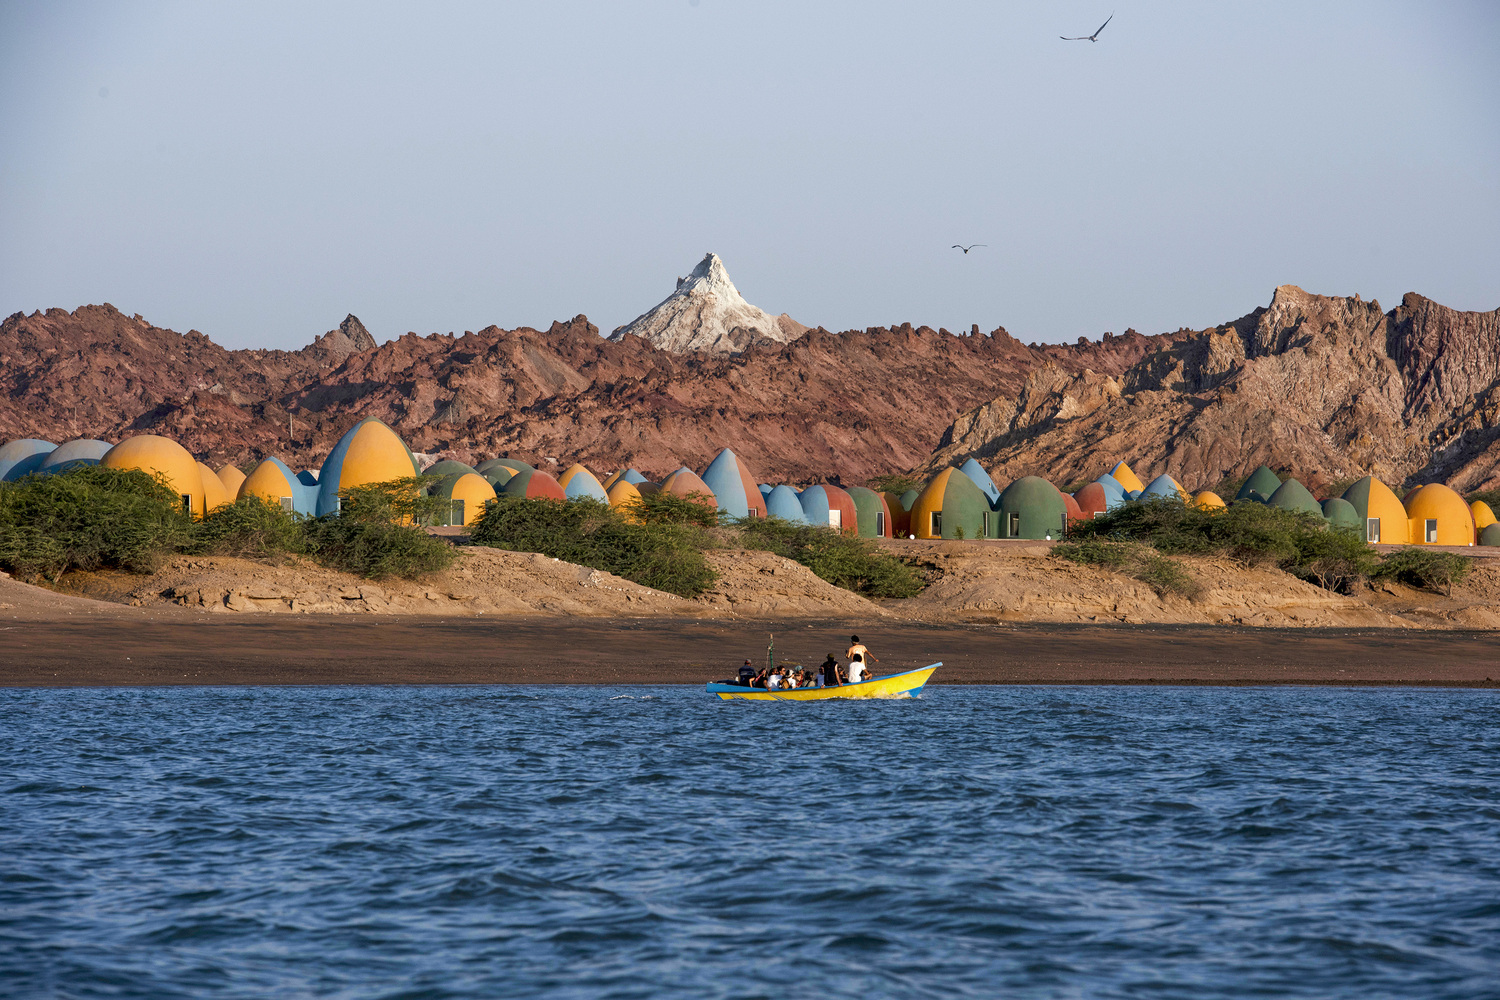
251	527
1301	544
670	508
1141	562
1490	497
1427	570
843	560
897	483
375	549
89	518
397	501
663	555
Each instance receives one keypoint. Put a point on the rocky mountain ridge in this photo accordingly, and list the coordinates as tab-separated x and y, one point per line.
1329	387
826	405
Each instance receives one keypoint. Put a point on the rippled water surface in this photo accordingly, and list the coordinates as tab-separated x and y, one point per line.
599	842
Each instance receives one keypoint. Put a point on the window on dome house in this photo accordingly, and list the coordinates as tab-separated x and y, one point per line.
937	524
880	524
187	503
1372	530
836	519
989	524
286	504
1014	527
458	512
1431	530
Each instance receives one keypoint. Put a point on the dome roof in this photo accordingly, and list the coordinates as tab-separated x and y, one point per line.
1164	487
1259	487
784	503
734	486
1126	477
578	481
23	457
164	457
232	478
868	503
1373	499
623	496
470	487
1292	495
1038	505
1436	502
1209	500
74	454
1341	514
1091	499
982	479
447	467
1483	515
272	480
533	483
214	493
369	453
829	506
685	482
1490	535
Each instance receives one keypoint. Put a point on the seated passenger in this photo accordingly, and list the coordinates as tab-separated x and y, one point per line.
747	674
773	681
832	675
856	669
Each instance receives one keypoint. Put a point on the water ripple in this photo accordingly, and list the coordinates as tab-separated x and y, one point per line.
477	842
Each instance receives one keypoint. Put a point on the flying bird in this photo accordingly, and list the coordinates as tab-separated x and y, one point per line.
971	246
1089	38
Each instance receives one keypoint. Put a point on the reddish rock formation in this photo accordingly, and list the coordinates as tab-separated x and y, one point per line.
843	406
1329	387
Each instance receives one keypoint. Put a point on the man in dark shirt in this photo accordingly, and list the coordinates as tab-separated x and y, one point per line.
747	673
832	675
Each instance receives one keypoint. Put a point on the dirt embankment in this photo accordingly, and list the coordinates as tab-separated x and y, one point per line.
971	583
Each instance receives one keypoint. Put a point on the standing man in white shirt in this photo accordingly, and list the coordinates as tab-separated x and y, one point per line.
858	648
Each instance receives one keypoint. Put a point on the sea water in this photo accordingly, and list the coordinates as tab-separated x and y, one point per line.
630	842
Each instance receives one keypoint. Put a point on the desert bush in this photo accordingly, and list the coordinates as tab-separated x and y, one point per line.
843	560
696	508
375	549
1140	562
89	518
1252	533
397	501
1415	567
897	483
664	555
251	527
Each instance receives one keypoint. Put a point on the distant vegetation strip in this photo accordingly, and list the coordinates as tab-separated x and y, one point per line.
660	541
100	518
1135	536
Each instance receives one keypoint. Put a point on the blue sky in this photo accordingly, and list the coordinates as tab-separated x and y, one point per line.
255	171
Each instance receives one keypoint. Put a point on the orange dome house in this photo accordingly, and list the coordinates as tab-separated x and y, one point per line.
1483	516
577	481
232	478
1380	511
369	453
160	456
214	493
1438	516
952	506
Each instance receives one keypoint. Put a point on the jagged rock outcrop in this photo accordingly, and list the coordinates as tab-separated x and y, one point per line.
1327	386
707	313
842	406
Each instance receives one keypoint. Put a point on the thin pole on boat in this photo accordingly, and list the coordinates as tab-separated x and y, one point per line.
771	654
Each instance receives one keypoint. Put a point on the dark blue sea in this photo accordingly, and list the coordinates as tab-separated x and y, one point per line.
609	842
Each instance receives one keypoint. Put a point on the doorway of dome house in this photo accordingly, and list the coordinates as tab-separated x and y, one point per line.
1372	530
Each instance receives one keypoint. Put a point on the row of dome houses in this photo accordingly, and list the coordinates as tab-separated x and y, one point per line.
962	502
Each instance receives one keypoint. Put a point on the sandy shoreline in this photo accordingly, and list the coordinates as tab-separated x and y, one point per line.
178	649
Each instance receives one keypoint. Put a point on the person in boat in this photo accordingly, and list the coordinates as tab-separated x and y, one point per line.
747	674
773	681
833	676
759	680
859	649
857	671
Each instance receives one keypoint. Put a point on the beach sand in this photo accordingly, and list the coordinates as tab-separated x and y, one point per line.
184	648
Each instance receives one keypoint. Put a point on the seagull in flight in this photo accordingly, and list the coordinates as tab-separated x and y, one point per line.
971	246
1089	38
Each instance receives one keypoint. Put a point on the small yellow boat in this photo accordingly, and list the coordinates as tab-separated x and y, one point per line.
902	685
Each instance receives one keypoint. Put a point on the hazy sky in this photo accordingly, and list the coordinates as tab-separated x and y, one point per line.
255	171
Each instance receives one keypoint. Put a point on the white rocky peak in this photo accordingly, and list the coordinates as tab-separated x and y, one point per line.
707	313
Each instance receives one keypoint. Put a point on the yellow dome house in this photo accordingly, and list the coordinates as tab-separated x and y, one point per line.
1382	514
1127	478
369	453
1438	516
1483	516
232	478
214	493
623	496
161	456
